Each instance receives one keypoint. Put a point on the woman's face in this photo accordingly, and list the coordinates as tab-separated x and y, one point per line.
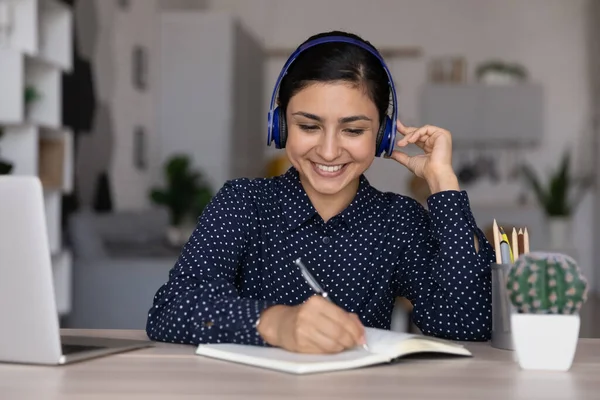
332	128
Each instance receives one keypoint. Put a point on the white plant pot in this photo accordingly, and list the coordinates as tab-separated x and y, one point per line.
559	232
545	342
498	78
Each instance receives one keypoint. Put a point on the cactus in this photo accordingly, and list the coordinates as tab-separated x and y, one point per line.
546	283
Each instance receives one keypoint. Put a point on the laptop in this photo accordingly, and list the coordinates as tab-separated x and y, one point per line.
29	321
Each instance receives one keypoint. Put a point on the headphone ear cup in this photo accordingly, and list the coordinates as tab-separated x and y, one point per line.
275	129
282	130
385	136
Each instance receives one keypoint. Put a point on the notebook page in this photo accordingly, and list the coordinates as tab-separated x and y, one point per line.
383	341
279	359
395	344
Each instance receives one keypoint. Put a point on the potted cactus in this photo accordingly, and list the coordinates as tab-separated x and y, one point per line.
547	291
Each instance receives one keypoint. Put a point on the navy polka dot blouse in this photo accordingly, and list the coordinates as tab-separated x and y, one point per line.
239	260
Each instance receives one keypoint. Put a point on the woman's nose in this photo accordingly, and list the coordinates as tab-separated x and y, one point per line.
329	147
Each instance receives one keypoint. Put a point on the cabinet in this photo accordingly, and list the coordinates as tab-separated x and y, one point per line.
210	103
35	50
486	114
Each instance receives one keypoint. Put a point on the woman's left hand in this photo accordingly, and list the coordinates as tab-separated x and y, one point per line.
435	164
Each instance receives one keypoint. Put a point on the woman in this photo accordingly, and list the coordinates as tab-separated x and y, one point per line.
235	280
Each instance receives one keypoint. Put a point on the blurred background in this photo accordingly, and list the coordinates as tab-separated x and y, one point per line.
121	105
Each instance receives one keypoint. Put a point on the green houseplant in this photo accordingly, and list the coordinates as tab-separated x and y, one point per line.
31	94
557	198
553	197
547	291
186	194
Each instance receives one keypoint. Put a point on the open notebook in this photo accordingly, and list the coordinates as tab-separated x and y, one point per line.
384	346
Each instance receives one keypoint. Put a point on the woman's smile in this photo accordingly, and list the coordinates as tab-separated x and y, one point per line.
328	170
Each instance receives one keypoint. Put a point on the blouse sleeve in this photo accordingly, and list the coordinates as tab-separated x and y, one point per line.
199	303
443	275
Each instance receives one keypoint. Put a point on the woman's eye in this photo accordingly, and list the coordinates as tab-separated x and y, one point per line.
355	131
308	128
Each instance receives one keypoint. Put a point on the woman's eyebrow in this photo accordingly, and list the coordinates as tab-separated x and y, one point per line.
353	118
343	120
309	116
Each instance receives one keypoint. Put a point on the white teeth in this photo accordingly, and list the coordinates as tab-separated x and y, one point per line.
329	168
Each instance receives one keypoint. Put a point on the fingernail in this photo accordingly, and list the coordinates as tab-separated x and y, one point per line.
363	340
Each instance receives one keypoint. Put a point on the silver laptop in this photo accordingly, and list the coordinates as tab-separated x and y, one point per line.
29	327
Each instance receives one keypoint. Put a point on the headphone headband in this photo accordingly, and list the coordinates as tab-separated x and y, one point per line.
330	39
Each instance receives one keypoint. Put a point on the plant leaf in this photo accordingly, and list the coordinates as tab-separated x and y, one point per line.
533	180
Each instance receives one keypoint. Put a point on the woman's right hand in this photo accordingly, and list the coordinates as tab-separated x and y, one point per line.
315	326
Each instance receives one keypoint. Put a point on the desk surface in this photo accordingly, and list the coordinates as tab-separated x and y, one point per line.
169	371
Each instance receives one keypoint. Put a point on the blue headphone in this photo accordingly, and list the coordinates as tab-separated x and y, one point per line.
277	127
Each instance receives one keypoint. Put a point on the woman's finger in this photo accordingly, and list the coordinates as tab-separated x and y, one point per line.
422	134
330	335
416	135
359	323
332	322
404	130
339	324
318	342
401	157
400	127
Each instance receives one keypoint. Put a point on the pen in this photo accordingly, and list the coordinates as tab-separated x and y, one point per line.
505	251
312	282
505	240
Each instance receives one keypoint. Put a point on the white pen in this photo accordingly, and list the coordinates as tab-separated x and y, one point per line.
312	282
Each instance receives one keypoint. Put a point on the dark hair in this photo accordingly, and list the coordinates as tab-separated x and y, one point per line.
330	62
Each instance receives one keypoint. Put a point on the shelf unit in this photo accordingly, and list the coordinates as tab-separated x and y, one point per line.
35	50
476	114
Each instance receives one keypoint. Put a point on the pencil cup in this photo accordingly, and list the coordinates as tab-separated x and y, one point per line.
501	308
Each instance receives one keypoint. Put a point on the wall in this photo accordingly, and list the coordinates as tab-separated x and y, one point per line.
547	36
133	107
195	107
207	105
594	46
181	4
108	35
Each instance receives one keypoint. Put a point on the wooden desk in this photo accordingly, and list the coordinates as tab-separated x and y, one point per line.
174	372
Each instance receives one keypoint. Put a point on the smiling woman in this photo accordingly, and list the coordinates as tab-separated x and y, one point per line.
331	142
235	279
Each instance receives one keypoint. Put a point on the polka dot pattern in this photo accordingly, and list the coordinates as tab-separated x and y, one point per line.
239	261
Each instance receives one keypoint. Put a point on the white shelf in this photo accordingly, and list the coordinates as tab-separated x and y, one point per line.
62	273
19	72
53	209
34	52
20	17
46	79
19	145
38	28
11	86
55	22
479	114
